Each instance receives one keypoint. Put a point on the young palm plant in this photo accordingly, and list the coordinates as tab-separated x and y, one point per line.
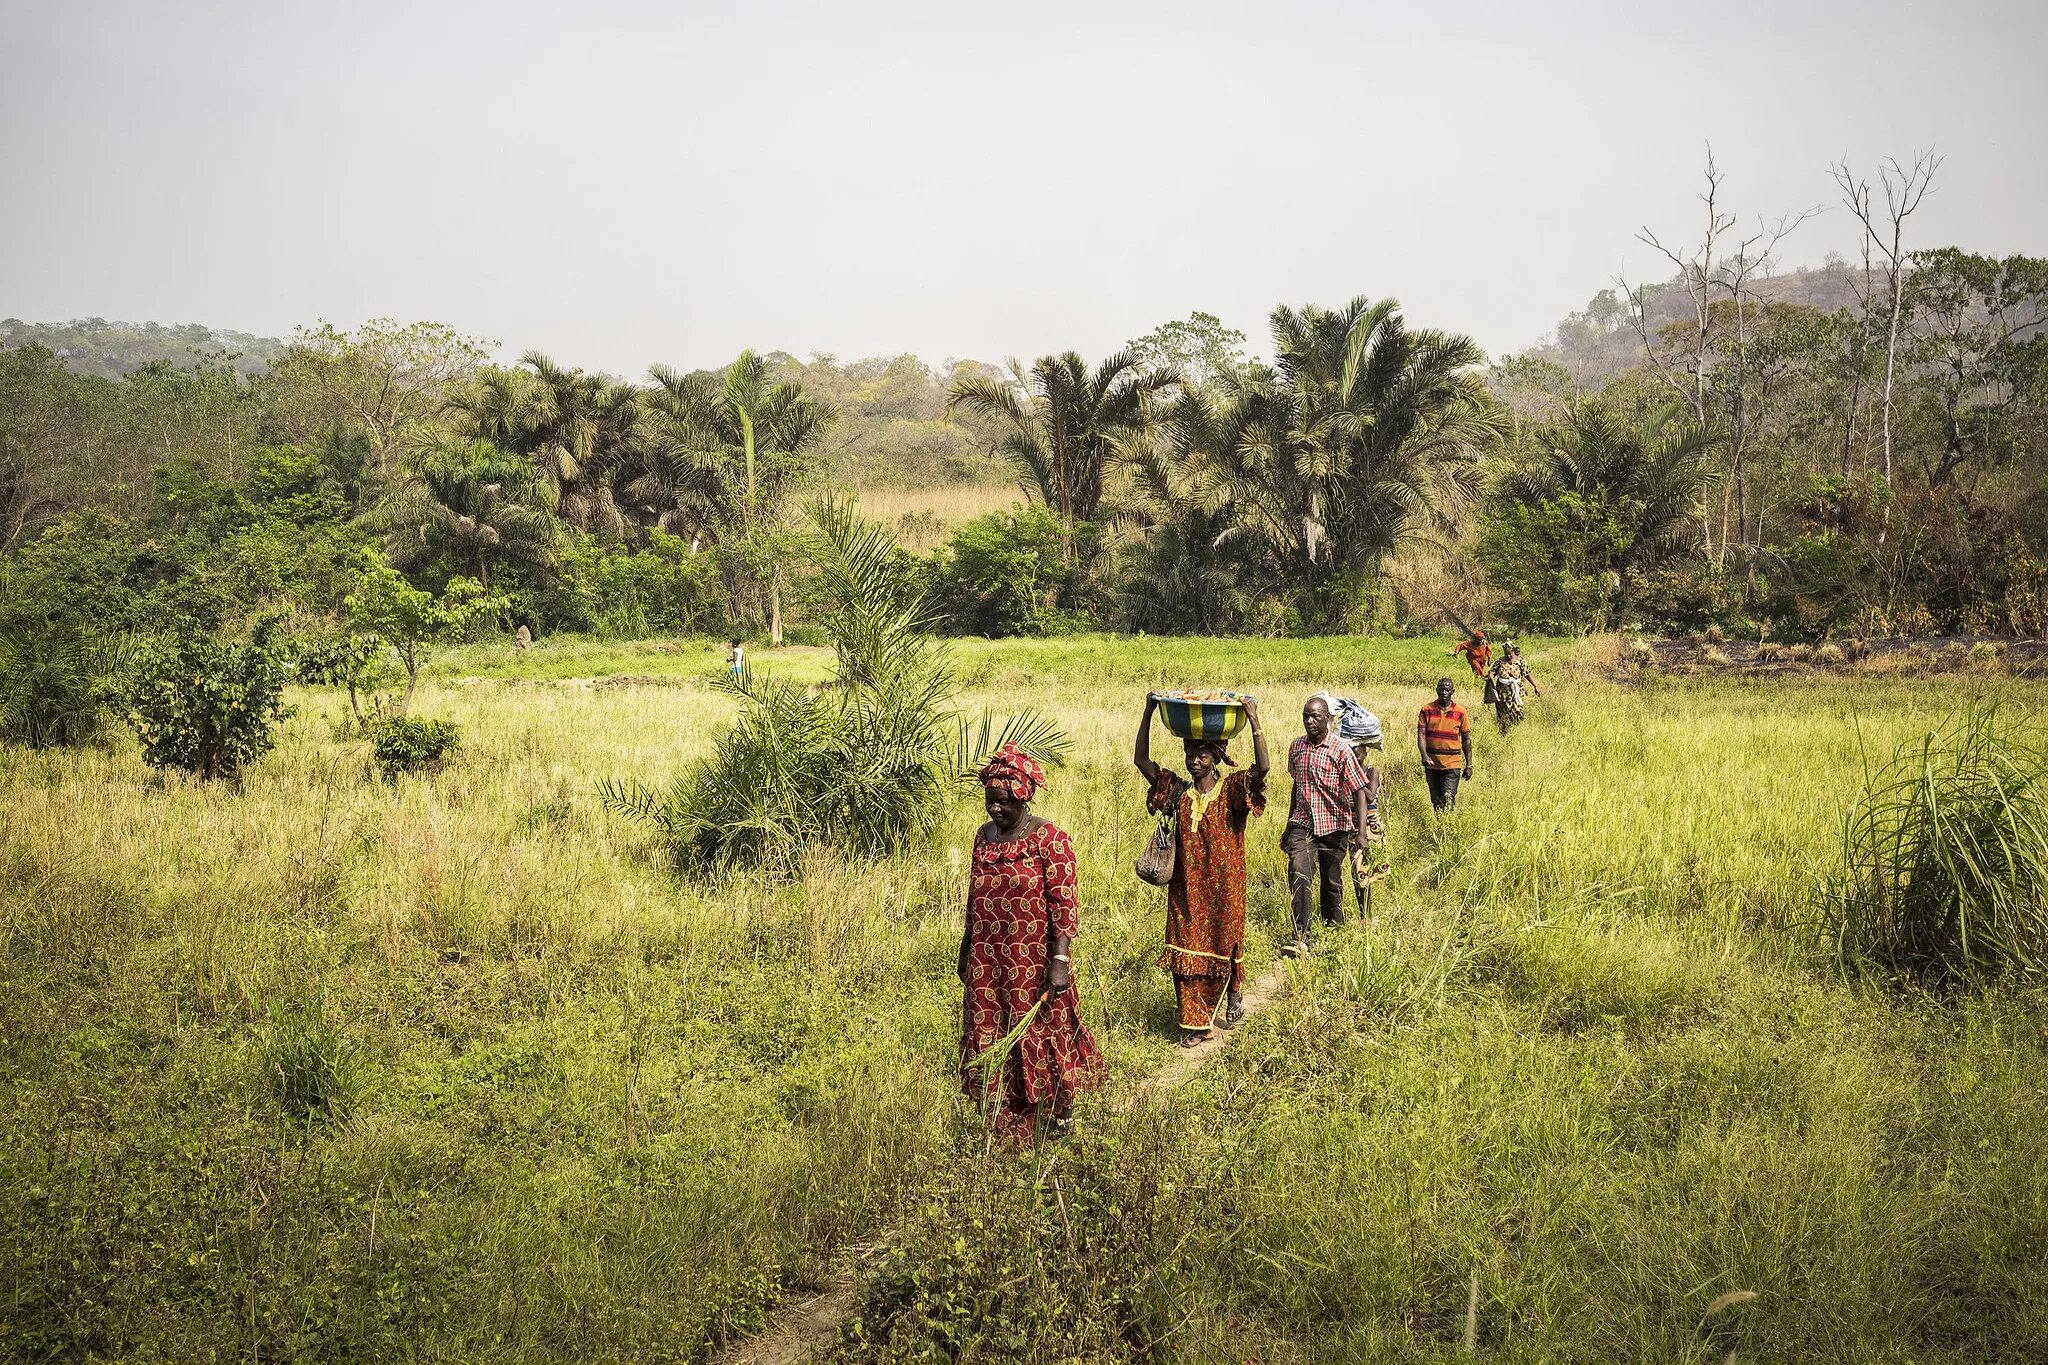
868	765
57	682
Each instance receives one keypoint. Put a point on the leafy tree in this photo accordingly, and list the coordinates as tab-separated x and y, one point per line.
410	621
867	766
723	454
1200	350
1363	434
1978	348
1176	536
382	381
207	706
474	506
1607	497
1066	427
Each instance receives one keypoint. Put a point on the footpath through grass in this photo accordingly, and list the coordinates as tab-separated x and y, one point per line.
451	1068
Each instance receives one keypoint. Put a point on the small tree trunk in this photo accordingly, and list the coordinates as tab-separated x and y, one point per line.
775	607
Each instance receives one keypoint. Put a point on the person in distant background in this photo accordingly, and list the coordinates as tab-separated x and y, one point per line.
1023	910
1323	819
736	658
1443	735
1476	651
1205	901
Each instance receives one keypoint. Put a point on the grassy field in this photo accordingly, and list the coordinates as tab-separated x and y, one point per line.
452	1069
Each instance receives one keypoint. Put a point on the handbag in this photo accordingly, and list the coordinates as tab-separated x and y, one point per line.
1492	692
1156	860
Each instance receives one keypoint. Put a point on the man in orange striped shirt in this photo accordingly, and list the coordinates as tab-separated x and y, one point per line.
1443	736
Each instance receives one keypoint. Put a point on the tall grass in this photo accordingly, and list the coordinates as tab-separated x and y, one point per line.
594	1112
1944	878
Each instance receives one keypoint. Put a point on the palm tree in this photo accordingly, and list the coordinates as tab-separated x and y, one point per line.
576	429
721	454
1171	520
476	505
1363	434
1645	476
1067	426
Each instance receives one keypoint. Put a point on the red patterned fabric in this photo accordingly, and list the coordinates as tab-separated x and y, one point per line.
1020	893
1205	902
1326	776
1014	773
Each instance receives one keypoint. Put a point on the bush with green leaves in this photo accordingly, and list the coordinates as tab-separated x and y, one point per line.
405	744
609	591
57	681
1004	573
209	706
868	765
1944	877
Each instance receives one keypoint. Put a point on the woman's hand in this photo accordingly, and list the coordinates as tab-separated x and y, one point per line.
1058	977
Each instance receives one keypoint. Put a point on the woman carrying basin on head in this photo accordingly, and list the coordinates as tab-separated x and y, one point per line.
1205	901
1016	962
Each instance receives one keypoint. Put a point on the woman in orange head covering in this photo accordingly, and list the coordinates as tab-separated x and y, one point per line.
1022	915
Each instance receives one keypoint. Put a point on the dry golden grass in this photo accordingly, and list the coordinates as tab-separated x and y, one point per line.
923	518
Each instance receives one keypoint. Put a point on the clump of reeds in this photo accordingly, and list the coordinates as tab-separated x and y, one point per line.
1713	656
1798	654
1944	877
1828	654
1769	652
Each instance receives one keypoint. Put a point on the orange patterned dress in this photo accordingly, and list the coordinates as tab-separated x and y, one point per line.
1205	902
1020	892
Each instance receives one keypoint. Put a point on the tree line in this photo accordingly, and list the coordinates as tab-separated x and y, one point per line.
1763	463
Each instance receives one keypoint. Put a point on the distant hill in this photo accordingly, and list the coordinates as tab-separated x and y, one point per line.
98	347
1596	343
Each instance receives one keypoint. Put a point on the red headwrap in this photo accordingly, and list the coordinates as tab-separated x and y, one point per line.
1014	773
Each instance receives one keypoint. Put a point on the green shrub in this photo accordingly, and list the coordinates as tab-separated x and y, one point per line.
1944	878
405	744
1002	574
56	683
208	706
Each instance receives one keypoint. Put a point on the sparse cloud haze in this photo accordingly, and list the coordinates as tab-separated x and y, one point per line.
618	183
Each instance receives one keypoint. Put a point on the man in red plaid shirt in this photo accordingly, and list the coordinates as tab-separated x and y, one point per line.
1327	812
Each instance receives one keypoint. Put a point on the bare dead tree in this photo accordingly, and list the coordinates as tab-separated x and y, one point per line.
1706	272
1737	277
1686	372
1904	188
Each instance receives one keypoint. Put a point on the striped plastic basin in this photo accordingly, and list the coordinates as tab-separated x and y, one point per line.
1204	714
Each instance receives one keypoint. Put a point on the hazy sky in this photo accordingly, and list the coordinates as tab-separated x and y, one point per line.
618	183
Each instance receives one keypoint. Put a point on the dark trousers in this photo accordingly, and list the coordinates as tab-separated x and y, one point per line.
1315	863
1443	787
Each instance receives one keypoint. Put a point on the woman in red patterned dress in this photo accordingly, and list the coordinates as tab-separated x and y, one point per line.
1205	902
1022	915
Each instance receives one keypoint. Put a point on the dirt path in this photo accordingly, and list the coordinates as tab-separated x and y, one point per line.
806	1327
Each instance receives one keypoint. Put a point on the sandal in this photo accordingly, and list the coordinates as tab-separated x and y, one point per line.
1191	1038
